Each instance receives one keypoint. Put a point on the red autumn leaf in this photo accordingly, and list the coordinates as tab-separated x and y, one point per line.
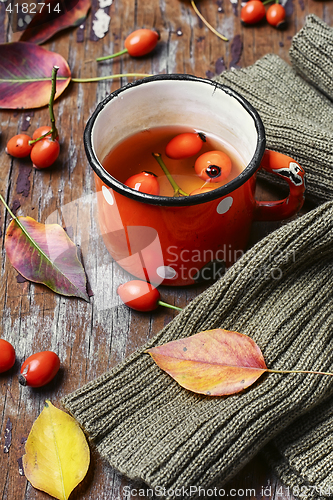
55	16
25	75
214	362
43	253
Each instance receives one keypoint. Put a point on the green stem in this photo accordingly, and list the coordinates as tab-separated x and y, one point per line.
177	190
99	78
54	130
40	138
111	56
299	371
269	1
165	304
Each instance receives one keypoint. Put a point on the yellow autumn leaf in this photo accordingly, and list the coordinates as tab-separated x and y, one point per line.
57	454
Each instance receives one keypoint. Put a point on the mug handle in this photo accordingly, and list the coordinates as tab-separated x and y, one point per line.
289	170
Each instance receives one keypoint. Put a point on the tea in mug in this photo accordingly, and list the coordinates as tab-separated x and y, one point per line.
144	152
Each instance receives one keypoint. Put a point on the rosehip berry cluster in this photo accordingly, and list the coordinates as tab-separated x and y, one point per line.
254	11
43	147
43	150
37	370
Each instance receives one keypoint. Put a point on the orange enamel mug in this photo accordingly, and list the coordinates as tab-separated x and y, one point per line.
184	240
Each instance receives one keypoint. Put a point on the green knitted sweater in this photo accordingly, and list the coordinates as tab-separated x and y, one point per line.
279	293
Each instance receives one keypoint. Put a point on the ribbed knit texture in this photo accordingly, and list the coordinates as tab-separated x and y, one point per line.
298	119
279	293
311	54
302	455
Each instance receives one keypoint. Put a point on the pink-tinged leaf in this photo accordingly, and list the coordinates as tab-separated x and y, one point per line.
25	75
214	362
55	16
43	253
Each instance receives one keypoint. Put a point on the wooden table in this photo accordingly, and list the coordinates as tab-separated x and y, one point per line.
92	338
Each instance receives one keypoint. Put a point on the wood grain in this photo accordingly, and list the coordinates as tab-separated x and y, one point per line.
92	338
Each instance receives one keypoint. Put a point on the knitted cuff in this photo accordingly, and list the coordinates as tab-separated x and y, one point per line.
311	54
298	119
279	293
302	454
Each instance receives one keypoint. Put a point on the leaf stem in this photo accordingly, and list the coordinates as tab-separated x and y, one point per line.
111	56
100	78
31	80
177	190
170	306
9	210
299	371
23	229
209	26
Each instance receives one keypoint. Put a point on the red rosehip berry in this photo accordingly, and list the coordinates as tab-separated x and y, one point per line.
139	295
18	146
141	42
213	166
39	369
7	356
145	182
39	132
44	153
276	16
252	12
184	145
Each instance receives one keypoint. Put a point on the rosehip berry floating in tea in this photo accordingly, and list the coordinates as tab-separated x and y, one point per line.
252	12
145	182
276	16
213	166
7	356
184	145
142	296
39	369
18	146
44	153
